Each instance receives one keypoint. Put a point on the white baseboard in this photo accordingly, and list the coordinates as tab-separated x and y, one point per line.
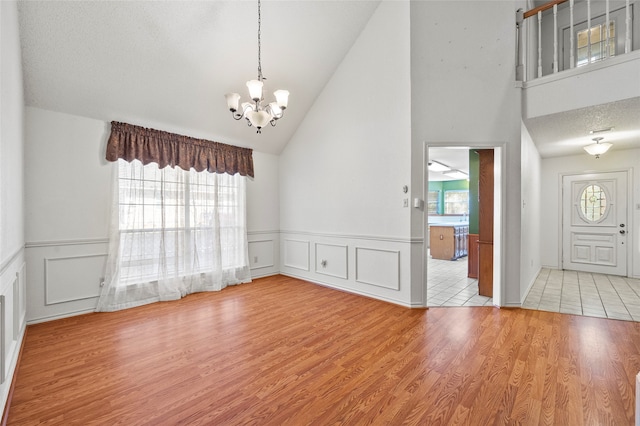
352	291
59	316
526	293
264	275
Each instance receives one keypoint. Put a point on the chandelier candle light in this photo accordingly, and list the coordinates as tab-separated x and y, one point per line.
257	113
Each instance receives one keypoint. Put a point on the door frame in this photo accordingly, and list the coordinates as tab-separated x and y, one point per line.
499	185
629	224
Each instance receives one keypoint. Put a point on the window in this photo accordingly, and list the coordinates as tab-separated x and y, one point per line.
598	44
174	223
593	203
433	202
456	202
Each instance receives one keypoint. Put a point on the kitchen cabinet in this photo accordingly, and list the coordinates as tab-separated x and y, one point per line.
448	241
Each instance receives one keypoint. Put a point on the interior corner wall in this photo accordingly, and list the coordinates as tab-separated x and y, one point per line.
12	260
12	137
463	92
552	170
68	203
531	206
343	219
263	216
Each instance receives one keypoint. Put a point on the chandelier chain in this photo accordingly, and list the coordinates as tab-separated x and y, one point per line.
259	44
258	113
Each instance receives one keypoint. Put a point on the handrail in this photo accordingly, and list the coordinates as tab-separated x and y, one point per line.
533	12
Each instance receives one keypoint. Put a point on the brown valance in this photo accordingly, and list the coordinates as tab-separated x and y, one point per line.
131	142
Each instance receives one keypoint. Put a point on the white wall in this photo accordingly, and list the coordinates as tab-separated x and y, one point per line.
530	226
342	174
68	187
551	209
11	174
12	270
463	93
263	216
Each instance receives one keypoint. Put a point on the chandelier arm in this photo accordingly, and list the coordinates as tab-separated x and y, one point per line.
278	116
239	115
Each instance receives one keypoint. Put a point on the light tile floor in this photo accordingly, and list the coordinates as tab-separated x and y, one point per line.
448	285
569	292
583	293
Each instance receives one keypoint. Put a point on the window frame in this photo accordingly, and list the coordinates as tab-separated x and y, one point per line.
189	226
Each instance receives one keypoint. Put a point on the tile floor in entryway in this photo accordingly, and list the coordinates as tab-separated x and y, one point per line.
583	293
568	292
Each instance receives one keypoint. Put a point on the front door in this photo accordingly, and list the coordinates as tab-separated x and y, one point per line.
594	223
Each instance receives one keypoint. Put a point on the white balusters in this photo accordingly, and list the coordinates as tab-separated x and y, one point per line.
572	49
539	44
606	30
589	31
627	37
555	38
596	47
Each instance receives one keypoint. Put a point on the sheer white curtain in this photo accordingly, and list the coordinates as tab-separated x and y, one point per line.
173	233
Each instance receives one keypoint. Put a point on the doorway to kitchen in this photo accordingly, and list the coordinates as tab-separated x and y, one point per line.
455	212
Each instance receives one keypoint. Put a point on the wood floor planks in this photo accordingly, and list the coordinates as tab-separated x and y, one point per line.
283	351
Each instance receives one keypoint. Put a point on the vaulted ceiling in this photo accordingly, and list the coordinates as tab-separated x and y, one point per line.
168	64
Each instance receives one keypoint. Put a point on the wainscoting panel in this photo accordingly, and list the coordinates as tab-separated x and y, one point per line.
3	335
296	254
264	253
378	267
261	254
23	297
63	277
12	316
332	259
73	277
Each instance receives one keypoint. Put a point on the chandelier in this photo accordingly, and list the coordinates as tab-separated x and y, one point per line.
597	148
257	113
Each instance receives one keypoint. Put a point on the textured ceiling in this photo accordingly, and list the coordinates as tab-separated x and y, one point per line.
568	132
456	158
168	64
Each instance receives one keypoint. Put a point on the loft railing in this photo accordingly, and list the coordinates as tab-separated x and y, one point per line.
594	44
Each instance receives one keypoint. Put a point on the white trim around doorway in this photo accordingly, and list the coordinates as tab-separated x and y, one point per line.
499	264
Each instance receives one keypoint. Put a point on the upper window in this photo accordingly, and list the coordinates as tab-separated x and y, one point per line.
598	43
456	202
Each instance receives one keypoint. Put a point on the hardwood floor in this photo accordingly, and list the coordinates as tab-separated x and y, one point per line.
282	351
